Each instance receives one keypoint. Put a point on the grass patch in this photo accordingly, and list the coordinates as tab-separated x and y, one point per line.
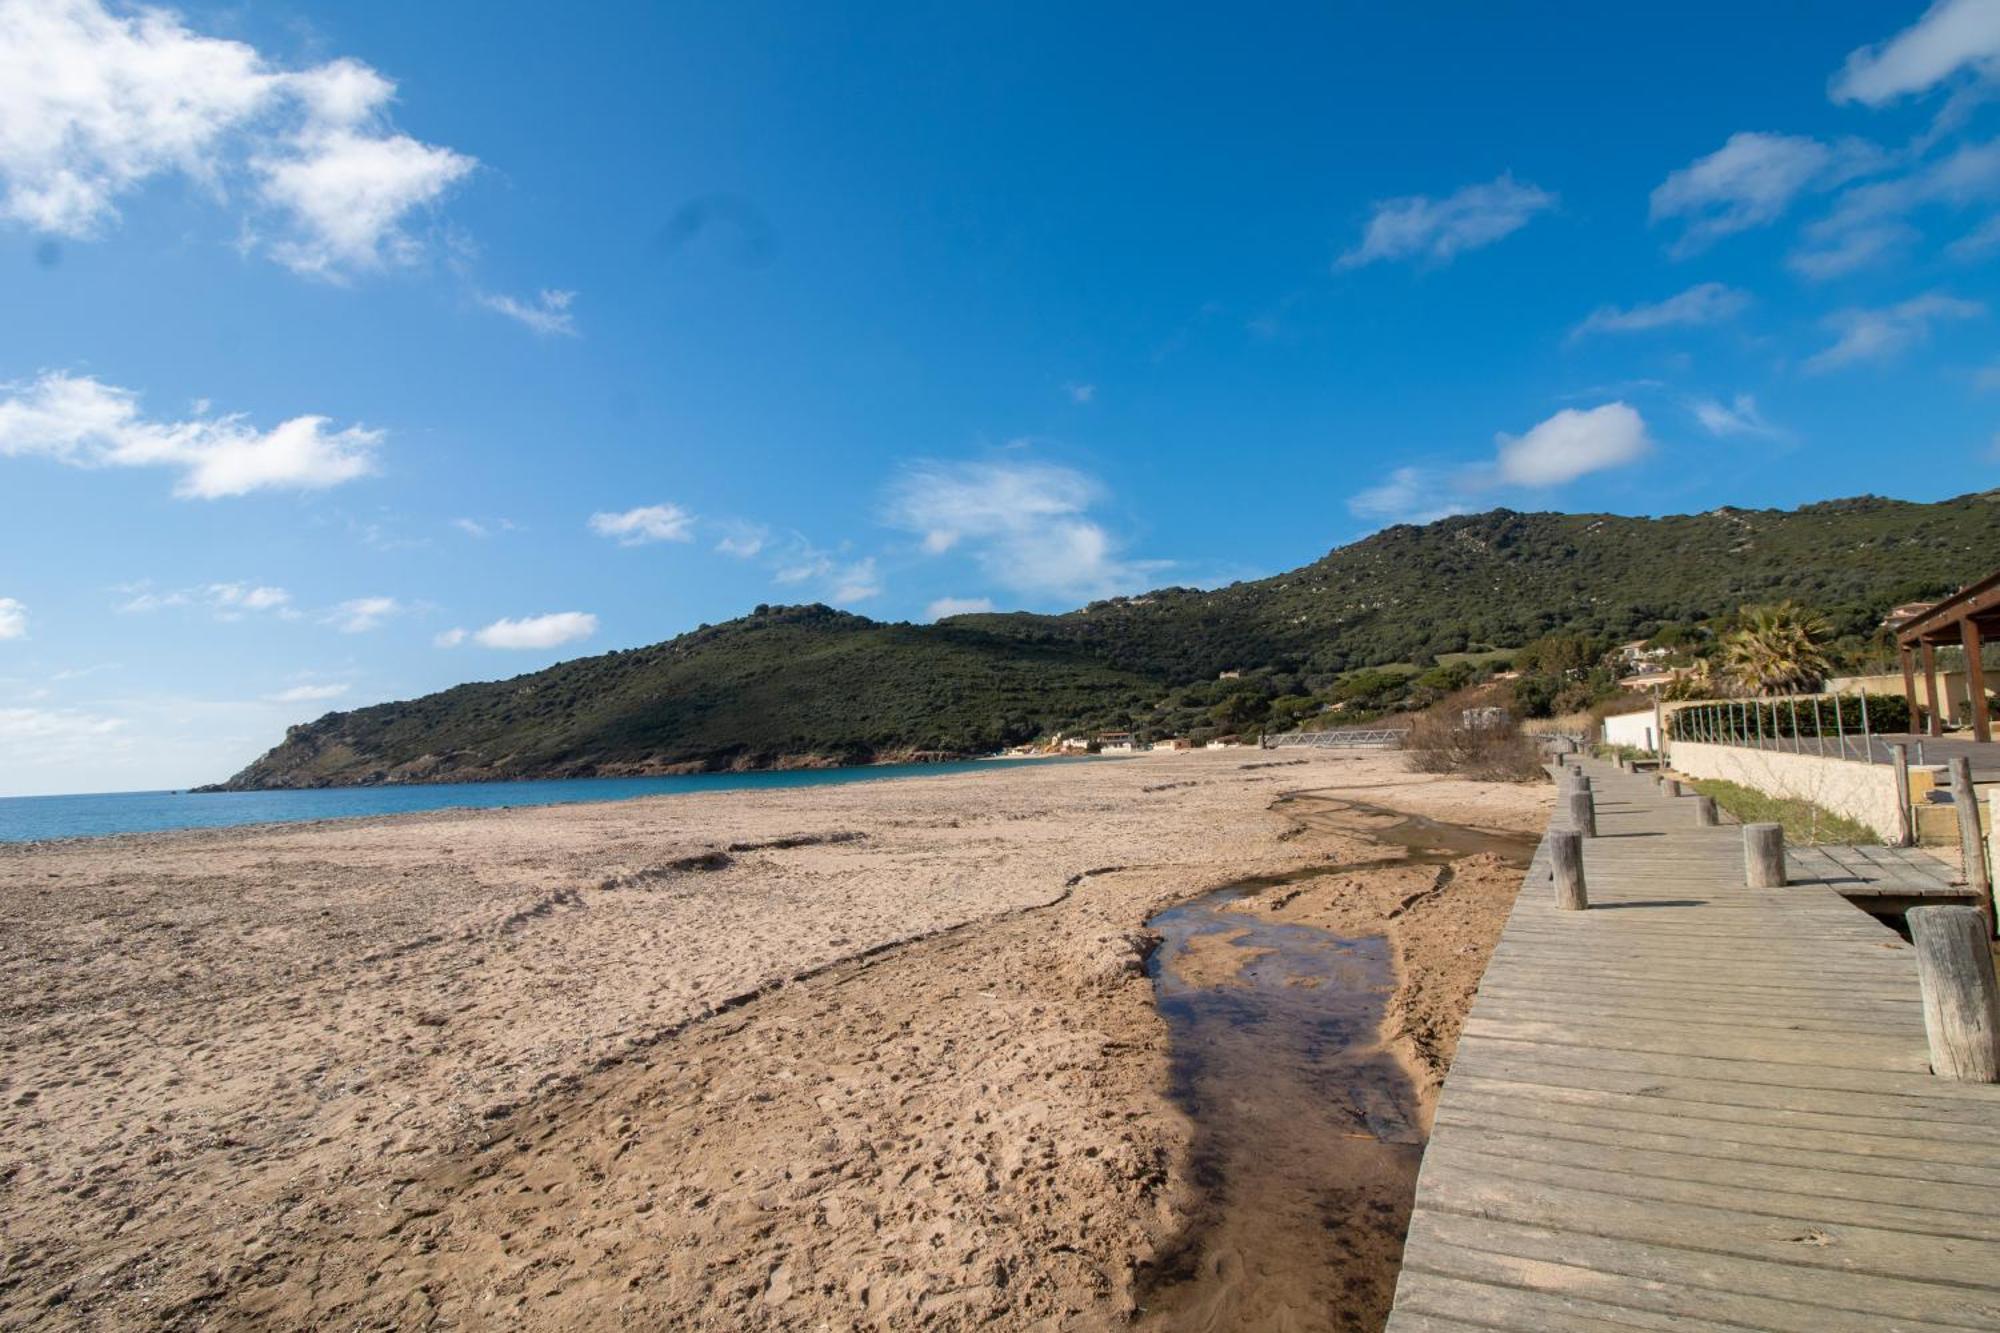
1805	824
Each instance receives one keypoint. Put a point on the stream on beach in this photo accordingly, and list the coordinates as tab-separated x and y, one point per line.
1309	1130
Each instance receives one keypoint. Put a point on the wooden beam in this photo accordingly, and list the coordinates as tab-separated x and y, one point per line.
1975	679
1909	682
1934	723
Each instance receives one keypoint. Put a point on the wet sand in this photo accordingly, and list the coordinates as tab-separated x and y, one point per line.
893	1061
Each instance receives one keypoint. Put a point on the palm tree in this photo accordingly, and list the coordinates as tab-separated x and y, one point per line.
1776	650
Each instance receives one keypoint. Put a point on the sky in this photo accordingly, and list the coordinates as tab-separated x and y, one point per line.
348	352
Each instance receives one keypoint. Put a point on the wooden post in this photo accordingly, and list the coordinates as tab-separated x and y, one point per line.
1566	856
1909	682
1934	720
1971	846
1582	813
1899	754
1660	725
1673	786
1955	973
1975	679
1704	811
1764	856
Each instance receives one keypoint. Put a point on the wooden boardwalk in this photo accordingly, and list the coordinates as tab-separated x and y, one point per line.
1700	1106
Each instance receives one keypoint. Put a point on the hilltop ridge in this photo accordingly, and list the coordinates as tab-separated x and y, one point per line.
809	685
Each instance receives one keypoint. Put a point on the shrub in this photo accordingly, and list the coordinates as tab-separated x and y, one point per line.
1440	741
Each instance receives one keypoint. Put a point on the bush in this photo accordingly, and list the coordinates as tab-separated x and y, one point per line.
1441	742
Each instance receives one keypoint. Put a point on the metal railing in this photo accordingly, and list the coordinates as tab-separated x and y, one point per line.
1352	738
1832	726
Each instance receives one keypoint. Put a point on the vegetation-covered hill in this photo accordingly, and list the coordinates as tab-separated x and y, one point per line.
813	685
1408	594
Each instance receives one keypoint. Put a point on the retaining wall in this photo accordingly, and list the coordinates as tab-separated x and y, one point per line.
1862	792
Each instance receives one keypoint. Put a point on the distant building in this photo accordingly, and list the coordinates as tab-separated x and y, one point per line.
1173	743
1907	611
1073	744
1225	743
1229	675
1116	742
1637	653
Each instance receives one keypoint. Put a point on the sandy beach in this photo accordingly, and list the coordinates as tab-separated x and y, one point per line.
882	1055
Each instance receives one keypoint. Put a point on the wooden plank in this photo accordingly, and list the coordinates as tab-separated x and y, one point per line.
1698	1105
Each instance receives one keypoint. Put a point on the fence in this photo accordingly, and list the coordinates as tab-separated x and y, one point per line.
1845	726
1353	738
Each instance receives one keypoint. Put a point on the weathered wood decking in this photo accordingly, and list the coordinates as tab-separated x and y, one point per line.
1699	1106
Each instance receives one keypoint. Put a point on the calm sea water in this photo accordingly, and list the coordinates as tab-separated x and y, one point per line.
32	818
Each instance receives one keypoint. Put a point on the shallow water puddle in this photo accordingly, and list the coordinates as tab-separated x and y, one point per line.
1308	1130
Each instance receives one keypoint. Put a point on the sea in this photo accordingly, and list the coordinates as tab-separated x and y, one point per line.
36	818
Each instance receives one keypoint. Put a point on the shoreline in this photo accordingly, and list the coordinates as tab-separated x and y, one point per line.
481	1028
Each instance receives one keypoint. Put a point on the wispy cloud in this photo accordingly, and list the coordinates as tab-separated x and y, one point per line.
1408	495
957	606
1025	524
1739	416
1704	303
97	103
1080	393
83	422
649	523
13	619
359	615
304	694
1751	181
1438	230
743	540
1870	222
529	632
1876	335
549	314
225	601
1951	36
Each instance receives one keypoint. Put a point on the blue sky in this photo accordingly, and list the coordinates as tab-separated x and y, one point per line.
352	351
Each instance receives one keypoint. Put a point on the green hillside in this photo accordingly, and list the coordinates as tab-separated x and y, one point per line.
809	684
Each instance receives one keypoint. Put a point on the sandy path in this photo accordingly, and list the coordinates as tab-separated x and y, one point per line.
441	1069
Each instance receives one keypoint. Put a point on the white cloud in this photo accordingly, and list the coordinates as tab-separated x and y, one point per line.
1436	230
1080	393
1952	35
93	104
30	724
1571	444
651	523
1868	223
957	606
1873	335
471	527
1750	181
1987	377
225	601
1978	242
537	631
745	541
1704	303
362	614
856	581
303	694
13	619
450	638
548	314
1025	524
1740	416
81	421
1407	495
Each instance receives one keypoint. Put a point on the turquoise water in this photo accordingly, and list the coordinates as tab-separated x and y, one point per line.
33	818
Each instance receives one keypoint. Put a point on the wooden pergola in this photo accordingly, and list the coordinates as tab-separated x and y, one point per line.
1965	618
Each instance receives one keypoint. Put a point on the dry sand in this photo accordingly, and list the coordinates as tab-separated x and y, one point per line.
877	1055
